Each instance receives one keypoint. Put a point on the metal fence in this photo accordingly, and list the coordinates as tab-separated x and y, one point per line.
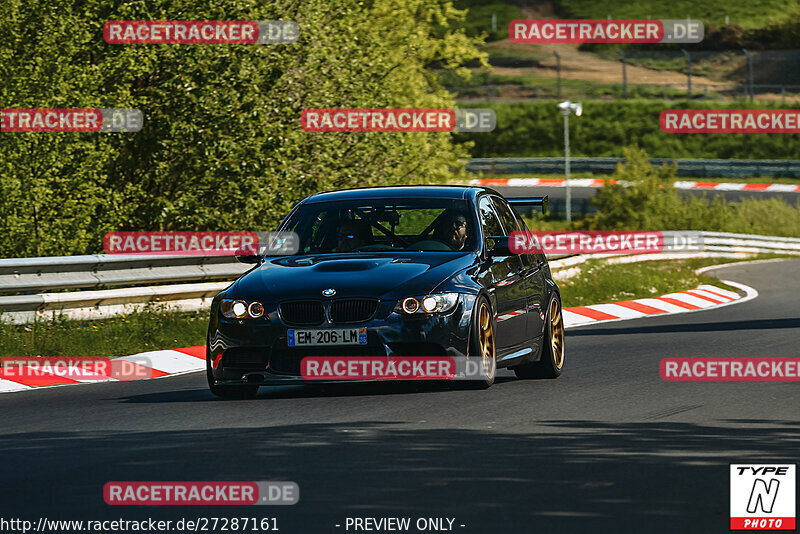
764	75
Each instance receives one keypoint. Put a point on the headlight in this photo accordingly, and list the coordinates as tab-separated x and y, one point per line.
410	305
239	309
255	309
439	303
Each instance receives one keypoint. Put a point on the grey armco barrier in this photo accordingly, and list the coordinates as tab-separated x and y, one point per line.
24	280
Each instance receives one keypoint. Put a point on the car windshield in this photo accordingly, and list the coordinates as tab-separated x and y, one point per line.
383	225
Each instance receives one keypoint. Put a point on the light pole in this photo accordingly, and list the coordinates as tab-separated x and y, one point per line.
566	108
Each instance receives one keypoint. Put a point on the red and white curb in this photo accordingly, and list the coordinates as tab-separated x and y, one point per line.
599	182
775	188
542	182
159	363
700	298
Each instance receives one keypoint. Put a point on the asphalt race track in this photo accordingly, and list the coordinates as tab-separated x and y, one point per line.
608	447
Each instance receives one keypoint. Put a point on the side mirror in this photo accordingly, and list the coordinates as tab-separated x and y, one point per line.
247	255
498	246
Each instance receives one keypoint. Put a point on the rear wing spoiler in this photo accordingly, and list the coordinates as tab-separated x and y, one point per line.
529	201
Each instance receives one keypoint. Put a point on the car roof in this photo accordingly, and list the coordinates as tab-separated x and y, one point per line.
400	191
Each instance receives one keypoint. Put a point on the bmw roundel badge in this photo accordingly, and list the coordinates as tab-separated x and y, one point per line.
329	292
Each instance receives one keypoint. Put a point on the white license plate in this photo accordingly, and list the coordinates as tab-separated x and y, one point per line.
327	337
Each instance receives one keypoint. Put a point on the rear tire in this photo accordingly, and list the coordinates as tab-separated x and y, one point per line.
551	362
482	344
228	392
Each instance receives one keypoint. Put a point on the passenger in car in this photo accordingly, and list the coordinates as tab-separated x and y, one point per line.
353	234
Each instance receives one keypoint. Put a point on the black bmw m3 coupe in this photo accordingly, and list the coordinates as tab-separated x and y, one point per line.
407	271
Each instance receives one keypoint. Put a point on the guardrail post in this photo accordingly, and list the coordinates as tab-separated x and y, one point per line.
688	71
566	166
749	71
558	67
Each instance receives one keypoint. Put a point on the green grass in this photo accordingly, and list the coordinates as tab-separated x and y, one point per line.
143	331
600	282
749	14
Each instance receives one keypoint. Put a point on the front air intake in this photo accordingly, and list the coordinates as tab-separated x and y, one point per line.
353	310
302	312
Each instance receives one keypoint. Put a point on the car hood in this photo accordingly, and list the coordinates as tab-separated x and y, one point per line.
351	275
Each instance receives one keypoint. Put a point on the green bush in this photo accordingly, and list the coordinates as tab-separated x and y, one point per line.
479	17
784	34
649	202
535	129
751	14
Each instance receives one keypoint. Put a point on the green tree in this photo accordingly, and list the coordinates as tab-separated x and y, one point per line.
648	201
222	147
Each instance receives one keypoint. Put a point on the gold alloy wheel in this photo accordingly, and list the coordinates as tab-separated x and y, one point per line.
556	334
486	338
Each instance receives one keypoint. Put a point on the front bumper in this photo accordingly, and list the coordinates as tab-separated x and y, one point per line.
256	351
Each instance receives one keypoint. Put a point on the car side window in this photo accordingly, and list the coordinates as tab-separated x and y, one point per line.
520	221
489	222
506	217
511	219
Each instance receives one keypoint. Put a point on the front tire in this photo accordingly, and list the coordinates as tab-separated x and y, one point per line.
228	392
551	362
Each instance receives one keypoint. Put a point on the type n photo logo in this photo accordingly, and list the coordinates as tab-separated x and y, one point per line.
763	497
